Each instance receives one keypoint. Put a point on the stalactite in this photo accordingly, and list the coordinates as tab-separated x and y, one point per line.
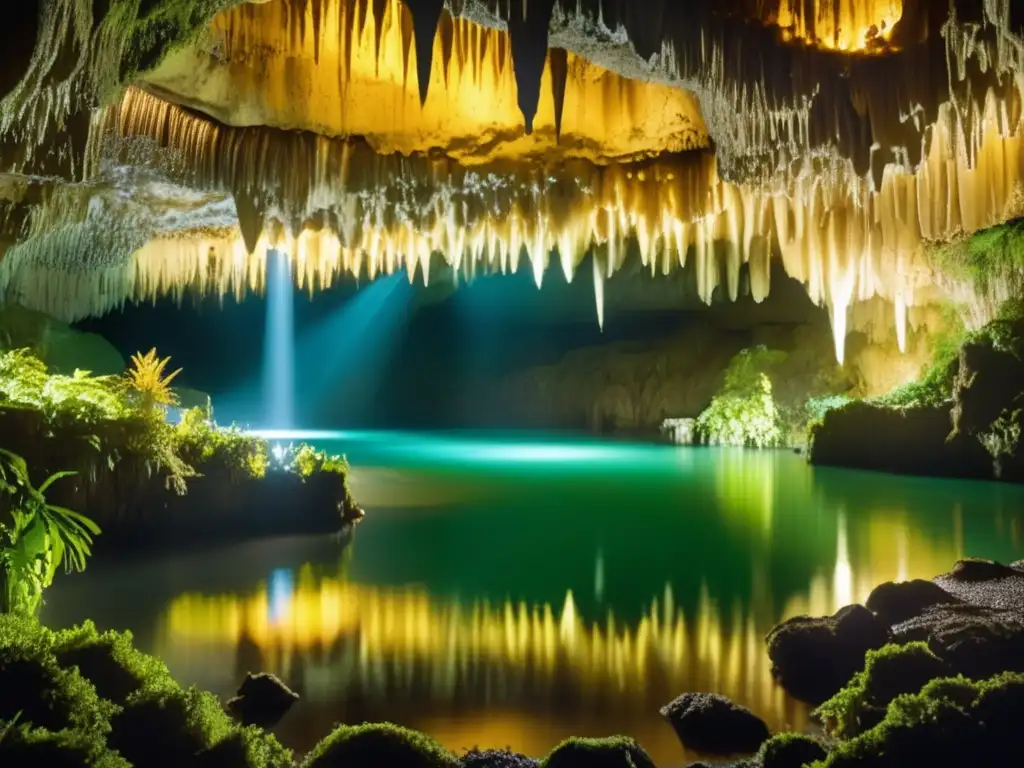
253	68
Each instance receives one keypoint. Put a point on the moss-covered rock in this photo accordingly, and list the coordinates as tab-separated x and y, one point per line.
245	748
813	658
371	746
28	746
497	758
168	726
713	724
613	752
888	673
109	661
790	750
952	723
34	689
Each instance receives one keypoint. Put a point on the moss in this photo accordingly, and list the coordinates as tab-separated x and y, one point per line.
36	690
168	725
984	257
790	750
949	722
109	662
246	748
888	672
27	746
614	752
163	25
371	746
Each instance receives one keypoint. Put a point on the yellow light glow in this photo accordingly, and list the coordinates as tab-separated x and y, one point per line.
849	26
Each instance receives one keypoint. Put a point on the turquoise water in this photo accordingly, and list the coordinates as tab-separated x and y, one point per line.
510	590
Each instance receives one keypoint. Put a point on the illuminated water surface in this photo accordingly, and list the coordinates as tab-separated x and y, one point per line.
505	591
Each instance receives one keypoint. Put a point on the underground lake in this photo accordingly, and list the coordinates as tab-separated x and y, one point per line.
517	589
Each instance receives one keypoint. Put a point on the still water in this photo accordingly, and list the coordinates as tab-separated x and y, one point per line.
505	591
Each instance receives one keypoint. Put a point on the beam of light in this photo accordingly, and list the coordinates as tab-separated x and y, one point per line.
343	360
279	351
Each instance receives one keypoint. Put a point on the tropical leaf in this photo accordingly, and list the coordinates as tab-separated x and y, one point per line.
54	477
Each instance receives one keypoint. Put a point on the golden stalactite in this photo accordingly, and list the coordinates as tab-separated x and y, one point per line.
339	208
343	68
845	26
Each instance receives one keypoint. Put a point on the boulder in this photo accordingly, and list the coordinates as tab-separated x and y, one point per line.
894	602
976	569
812	658
977	641
497	758
712	724
262	700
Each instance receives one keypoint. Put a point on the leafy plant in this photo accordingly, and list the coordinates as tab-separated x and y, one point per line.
198	440
744	412
146	378
39	537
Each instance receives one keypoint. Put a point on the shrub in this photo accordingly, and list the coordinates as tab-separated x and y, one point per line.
200	442
744	413
372	746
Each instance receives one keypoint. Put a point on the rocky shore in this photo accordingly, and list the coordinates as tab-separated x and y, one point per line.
925	673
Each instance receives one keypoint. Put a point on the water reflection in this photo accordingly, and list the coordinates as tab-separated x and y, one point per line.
361	649
516	604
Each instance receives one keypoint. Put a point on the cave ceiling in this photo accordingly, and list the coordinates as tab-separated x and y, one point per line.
161	147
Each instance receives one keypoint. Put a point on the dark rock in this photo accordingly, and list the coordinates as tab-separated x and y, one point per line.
813	658
791	750
497	758
976	641
976	569
1006	590
894	602
915	441
262	700
712	724
615	752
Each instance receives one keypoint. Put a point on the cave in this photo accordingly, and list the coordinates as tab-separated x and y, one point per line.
529	383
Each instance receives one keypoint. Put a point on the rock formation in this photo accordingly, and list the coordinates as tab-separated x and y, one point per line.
154	151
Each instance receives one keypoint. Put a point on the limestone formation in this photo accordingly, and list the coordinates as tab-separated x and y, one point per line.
165	153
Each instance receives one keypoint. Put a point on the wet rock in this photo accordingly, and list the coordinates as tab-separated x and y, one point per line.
791	750
894	602
975	640
713	724
497	758
975	569
812	658
262	700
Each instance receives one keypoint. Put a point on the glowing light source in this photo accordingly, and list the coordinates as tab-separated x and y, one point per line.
279	352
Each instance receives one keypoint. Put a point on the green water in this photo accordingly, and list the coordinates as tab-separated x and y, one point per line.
505	590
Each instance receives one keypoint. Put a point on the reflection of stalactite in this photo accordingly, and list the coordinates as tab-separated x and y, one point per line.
388	641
